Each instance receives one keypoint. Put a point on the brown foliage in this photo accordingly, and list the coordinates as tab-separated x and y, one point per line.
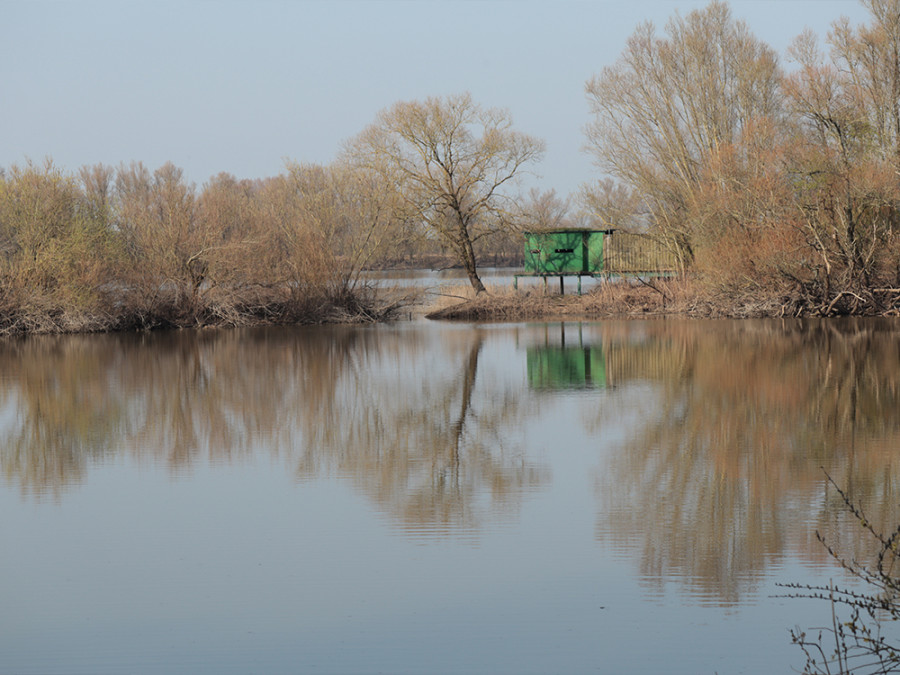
56	250
730	460
127	248
777	189
451	162
665	110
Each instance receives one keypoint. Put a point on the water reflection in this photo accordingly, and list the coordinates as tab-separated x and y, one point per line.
560	365
399	414
418	435
57	410
722	473
707	440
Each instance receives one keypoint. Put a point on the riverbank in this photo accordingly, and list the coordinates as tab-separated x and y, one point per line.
638	299
370	302
108	311
620	300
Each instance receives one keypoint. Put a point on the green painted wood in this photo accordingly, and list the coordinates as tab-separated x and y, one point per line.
564	252
559	368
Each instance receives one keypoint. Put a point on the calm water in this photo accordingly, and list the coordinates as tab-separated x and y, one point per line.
502	278
615	497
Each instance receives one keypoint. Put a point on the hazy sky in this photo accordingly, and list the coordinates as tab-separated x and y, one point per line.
240	86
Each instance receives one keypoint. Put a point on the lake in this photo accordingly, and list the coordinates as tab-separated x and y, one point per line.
422	497
501	278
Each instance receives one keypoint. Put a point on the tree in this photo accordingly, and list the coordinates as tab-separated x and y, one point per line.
54	247
166	243
613	205
846	156
353	213
544	209
670	105
868	58
451	161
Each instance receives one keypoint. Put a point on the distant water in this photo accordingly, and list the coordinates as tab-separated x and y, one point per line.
492	277
614	497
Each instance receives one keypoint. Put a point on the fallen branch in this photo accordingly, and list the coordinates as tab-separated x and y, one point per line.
838	297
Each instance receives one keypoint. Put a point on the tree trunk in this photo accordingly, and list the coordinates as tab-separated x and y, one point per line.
468	387
468	260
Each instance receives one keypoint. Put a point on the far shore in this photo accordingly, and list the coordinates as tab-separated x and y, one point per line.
633	299
622	299
612	301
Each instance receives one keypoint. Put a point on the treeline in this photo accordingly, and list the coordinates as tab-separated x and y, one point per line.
119	248
129	248
776	185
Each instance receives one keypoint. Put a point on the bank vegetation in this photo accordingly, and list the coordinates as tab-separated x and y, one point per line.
127	248
774	185
770	179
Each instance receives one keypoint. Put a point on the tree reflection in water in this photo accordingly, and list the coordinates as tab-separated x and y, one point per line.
727	425
399	413
723	473
416	432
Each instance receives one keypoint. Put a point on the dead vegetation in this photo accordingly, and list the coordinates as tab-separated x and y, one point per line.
609	299
776	188
130	249
771	193
643	298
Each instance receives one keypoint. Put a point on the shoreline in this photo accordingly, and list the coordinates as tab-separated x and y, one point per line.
671	298
632	303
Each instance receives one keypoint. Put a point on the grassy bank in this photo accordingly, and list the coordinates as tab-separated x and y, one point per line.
109	310
634	299
509	305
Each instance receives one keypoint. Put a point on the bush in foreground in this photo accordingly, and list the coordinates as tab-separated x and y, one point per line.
858	644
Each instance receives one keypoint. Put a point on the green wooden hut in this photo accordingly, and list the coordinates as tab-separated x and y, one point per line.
564	252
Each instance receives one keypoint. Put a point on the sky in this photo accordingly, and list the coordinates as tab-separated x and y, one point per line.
240	87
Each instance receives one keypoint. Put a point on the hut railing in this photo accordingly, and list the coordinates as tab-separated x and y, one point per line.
630	253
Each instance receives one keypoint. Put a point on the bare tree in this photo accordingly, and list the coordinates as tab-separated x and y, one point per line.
353	211
670	104
868	58
451	161
613	205
845	156
53	249
545	210
168	246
